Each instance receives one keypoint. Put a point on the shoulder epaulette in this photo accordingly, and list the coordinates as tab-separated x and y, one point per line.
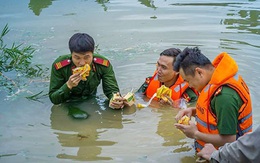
101	61
218	91
148	80
186	97
61	64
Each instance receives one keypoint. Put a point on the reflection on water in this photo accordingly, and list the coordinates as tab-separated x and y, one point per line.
243	20
132	42
103	3
172	136
238	17
37	5
225	44
83	135
166	127
148	3
209	4
106	131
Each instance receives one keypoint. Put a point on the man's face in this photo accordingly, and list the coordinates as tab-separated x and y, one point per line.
80	59
165	69
198	81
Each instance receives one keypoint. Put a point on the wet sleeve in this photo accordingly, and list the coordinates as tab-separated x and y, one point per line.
109	82
245	149
58	91
190	95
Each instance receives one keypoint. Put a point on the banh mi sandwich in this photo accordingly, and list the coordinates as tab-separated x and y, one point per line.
184	120
83	71
162	92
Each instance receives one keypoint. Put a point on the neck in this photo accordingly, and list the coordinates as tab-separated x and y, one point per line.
171	82
209	74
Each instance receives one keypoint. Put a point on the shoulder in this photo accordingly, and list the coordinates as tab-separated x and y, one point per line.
226	91
189	95
226	97
62	61
101	60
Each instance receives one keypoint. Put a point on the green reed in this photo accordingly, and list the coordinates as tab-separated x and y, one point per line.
17	72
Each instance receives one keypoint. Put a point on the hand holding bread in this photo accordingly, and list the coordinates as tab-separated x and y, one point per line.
83	71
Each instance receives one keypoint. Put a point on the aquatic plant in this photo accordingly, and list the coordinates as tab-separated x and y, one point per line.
16	69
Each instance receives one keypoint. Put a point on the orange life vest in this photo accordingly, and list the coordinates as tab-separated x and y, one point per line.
206	120
178	88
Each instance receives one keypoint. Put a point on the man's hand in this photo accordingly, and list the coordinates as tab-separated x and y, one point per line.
189	130
73	80
116	102
181	113
207	151
166	100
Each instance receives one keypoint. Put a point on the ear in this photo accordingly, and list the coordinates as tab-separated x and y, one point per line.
200	71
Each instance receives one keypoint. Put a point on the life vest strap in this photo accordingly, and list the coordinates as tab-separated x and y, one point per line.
204	124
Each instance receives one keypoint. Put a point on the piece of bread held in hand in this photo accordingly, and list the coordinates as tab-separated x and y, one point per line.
184	120
83	71
162	92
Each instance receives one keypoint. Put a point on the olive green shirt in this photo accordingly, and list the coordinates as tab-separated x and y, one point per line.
59	91
225	106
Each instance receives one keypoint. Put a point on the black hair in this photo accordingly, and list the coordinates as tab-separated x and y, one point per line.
171	52
189	59
81	43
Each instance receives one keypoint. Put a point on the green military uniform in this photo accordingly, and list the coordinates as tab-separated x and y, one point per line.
62	67
226	111
191	95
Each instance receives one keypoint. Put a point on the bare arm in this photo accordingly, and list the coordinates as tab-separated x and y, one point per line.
216	139
192	131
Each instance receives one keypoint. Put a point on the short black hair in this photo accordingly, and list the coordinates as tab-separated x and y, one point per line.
189	59
171	52
81	43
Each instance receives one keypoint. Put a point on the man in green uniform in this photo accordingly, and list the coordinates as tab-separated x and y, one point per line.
66	86
223	110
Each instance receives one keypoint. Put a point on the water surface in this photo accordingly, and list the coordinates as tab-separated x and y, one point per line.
131	34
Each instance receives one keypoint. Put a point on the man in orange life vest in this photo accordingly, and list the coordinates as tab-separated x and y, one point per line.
223	111
165	75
